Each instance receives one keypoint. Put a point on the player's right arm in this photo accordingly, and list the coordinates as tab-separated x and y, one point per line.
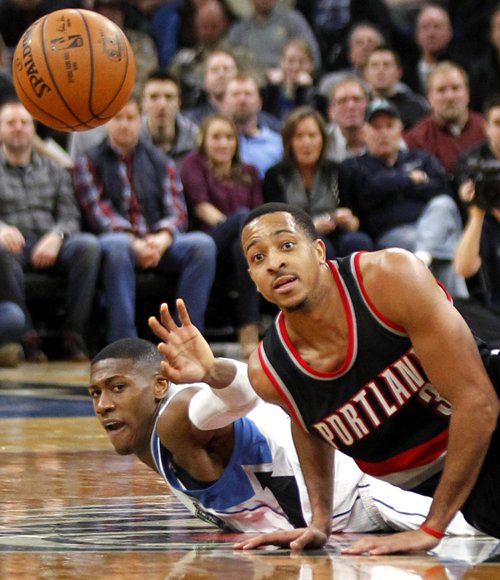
316	462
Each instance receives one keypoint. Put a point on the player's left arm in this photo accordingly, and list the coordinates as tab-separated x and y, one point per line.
405	292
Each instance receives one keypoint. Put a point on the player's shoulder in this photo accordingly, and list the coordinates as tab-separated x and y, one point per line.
391	262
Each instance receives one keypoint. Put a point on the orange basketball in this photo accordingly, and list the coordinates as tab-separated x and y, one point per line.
73	69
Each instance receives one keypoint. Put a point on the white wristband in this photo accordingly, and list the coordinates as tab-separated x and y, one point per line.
215	408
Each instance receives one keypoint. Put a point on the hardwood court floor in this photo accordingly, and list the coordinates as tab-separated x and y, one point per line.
71	508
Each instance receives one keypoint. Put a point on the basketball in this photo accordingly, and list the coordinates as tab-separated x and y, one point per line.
73	69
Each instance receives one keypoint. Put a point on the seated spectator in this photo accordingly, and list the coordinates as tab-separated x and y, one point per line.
163	123
362	39
40	230
292	84
12	324
485	74
266	31
220	67
450	129
143	46
433	44
220	191
382	73
478	251
346	115
259	145
211	23
131	196
306	179
332	19
401	197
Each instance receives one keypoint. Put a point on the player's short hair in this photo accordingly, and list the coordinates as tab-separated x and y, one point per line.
162	75
302	218
492	103
135	349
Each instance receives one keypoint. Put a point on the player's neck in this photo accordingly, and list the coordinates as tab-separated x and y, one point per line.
17	157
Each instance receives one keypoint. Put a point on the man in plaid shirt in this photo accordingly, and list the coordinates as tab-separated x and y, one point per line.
40	229
131	196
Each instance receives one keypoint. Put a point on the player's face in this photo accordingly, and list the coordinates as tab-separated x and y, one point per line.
282	260
160	101
220	142
16	128
449	96
124	397
124	127
307	142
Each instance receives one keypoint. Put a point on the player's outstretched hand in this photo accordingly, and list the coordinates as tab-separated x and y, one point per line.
188	356
414	540
298	539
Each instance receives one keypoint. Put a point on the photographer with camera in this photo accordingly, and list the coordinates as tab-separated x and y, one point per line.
477	174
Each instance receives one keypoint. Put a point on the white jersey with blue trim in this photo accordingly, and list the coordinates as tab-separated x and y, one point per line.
262	488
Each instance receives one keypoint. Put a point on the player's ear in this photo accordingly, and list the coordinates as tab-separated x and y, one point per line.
320	248
160	387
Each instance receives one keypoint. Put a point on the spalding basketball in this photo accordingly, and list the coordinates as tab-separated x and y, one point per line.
73	69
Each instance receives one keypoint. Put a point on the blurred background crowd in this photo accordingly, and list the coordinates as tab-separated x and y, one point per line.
381	119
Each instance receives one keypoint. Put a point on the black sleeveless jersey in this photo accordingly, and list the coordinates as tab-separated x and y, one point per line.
379	406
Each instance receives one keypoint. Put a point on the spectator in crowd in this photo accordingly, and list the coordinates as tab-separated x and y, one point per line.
450	129
219	67
306	179
266	31
478	251
346	113
485	74
40	230
163	123
131	196
331	21
143	46
362	39
12	324
211	23
220	191
402	197
433	38
382	73
292	83
259	145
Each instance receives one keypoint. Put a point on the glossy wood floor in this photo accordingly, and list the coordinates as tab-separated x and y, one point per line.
71	508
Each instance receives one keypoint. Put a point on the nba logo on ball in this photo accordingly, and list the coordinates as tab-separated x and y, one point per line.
73	69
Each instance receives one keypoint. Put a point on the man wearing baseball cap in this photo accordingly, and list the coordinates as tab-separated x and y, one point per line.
402	197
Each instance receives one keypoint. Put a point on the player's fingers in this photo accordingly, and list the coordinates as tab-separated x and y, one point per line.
160	331
165	317
182	312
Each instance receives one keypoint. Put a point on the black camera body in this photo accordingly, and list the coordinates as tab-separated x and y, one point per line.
486	176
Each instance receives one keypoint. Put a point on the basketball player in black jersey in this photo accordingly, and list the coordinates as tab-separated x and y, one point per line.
369	355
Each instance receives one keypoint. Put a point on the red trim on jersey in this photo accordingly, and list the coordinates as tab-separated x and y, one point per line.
415	457
279	390
368	300
350	334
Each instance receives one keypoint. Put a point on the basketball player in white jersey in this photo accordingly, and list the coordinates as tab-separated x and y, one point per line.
227	455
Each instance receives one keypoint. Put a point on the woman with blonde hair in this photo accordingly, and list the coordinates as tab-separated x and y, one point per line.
306	179
220	191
